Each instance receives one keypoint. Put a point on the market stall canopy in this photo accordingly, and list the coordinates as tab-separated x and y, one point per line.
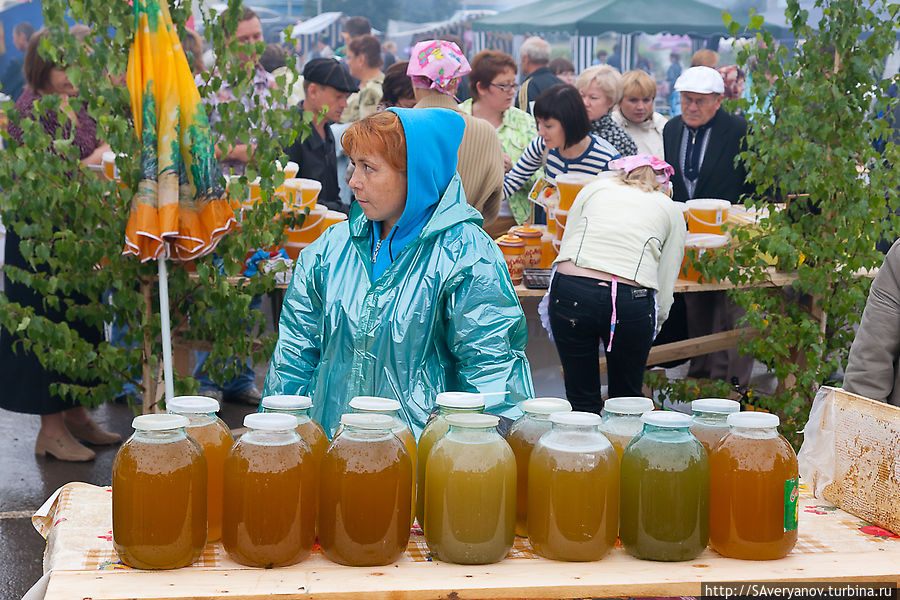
315	25
595	17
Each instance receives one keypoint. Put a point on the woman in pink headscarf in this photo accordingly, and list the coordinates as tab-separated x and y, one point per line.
615	273
435	67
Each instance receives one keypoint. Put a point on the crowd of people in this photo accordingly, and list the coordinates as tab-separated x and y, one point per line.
410	296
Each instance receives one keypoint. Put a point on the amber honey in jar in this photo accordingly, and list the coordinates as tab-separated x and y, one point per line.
365	505
521	437
308	429
270	494
448	403
573	490
159	495
391	408
470	492
215	439
622	420
710	420
753	490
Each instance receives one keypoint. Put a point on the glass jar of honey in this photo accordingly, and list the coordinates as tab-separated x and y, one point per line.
622	420
664	498
159	495
365	505
270	494
573	490
448	403
753	490
711	419
391	408
214	438
308	429
521	437
470	492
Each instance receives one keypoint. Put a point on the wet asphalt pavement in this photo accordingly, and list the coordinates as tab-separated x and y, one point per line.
26	480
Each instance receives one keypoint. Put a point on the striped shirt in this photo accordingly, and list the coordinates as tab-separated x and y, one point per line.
591	162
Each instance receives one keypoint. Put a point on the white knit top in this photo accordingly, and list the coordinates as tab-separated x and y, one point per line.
624	231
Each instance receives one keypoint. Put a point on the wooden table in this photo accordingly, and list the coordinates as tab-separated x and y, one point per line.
833	546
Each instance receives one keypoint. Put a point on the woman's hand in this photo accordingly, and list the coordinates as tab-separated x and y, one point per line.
507	163
96	157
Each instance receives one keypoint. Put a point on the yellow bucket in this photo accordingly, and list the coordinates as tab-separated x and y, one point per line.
702	243
706	215
332	217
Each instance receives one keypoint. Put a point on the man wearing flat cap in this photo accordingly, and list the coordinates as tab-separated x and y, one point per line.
327	85
702	144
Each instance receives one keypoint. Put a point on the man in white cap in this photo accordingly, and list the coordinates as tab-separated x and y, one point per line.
703	141
701	144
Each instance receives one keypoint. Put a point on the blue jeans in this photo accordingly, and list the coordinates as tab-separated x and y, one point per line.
245	379
580	312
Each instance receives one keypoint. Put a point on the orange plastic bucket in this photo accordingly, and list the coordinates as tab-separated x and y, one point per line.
568	185
532	236
706	215
332	217
311	228
703	243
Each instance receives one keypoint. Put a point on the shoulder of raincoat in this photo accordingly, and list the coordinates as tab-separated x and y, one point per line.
443	315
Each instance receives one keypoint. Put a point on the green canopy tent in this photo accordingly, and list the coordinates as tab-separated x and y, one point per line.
584	19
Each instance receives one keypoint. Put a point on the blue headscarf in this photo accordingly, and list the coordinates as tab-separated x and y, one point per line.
432	143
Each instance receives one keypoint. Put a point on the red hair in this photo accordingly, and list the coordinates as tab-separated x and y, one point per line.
380	133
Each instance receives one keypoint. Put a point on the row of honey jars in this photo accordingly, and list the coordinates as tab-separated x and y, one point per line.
159	497
448	403
470	492
522	437
270	494
215	440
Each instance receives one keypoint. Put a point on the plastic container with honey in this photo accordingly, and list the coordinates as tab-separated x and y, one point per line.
710	422
622	420
664	498
522	437
364	497
753	490
215	440
270	494
533	248
470	492
391	408
159	495
573	490
448	403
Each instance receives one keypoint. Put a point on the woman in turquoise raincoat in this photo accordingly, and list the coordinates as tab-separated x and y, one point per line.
408	298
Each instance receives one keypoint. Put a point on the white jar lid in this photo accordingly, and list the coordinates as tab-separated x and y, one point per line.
753	420
628	405
460	400
473	420
287	402
367	421
160	422
720	406
374	403
584	419
192	404
666	418
270	421
545	406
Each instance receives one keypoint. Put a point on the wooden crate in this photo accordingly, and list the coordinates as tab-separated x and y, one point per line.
867	459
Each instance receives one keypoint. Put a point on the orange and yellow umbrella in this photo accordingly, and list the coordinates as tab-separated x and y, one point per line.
180	200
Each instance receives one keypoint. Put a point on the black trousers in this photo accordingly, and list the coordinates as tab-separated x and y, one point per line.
580	313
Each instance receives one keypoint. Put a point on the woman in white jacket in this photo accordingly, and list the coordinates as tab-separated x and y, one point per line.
636	116
615	274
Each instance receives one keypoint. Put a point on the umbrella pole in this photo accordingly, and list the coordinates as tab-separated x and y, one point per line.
166	325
